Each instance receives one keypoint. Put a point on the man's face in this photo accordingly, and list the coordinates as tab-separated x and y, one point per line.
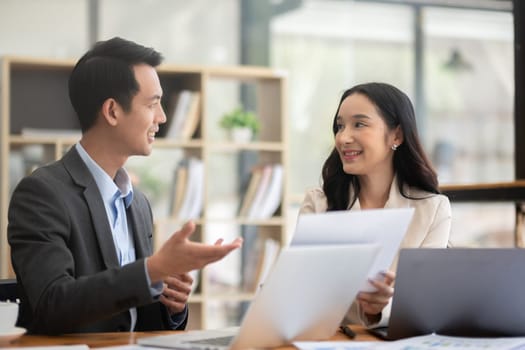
136	130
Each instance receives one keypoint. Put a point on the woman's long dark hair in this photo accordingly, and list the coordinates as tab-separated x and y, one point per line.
411	165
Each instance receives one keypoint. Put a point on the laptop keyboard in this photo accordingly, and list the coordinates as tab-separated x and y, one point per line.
219	341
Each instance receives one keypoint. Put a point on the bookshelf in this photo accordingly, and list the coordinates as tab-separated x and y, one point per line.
34	95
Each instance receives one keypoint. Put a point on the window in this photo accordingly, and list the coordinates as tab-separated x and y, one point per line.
465	93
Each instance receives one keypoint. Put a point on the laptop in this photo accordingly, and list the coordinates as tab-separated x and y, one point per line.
470	292
304	297
386	227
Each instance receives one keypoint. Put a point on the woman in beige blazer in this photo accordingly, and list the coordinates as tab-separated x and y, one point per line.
378	162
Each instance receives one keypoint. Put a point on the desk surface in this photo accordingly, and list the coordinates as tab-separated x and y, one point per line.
96	340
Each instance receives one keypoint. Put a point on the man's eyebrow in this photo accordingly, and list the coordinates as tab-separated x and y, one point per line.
155	97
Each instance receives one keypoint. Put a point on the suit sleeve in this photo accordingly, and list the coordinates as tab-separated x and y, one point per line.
314	202
439	231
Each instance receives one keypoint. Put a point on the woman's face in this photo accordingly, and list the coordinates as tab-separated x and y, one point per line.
363	139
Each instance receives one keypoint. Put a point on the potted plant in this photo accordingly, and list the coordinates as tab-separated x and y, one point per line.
243	125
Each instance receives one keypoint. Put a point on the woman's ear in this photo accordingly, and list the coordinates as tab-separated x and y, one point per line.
110	110
398	135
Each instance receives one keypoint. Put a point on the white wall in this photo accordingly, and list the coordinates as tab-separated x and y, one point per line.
188	32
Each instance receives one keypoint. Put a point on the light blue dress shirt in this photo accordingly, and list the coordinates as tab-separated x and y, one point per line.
117	196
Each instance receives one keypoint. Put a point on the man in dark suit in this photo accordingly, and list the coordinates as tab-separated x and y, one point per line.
80	234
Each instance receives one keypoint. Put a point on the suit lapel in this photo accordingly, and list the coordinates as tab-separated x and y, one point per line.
101	224
140	231
395	198
82	177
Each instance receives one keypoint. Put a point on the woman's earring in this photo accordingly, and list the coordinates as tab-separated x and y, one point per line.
394	147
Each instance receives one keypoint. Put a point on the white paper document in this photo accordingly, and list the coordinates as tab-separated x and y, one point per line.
425	342
334	345
128	347
434	341
386	227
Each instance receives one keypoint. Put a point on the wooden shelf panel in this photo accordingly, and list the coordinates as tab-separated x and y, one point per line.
48	140
251	146
19	62
511	191
170	143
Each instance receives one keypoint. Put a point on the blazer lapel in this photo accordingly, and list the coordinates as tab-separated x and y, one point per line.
395	198
82	177
140	230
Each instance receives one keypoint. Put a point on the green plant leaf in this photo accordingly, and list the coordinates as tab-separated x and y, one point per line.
240	118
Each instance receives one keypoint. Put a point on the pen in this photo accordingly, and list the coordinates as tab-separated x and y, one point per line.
347	331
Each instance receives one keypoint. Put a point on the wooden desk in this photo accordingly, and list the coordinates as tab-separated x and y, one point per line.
96	340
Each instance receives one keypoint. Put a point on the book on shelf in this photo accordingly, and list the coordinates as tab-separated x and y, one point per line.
184	118
47	132
260	192
263	195
193	198
270	251
17	168
191	121
249	194
259	262
196	171
272	196
180	101
195	274
180	180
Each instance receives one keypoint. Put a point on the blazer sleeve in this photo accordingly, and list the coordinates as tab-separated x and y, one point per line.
438	234
314	202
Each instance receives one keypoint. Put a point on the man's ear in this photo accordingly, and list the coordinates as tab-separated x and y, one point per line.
110	110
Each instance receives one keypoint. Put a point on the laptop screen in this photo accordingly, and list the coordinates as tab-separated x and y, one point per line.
460	291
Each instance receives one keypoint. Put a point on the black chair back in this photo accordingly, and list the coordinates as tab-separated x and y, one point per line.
8	290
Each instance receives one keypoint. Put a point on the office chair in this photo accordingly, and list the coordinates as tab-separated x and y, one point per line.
8	290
